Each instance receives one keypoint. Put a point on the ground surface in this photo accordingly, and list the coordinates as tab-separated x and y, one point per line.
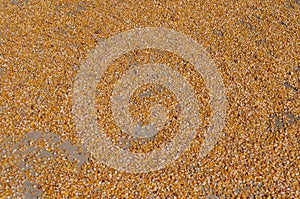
253	45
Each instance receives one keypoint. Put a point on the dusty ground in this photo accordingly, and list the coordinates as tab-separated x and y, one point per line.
254	45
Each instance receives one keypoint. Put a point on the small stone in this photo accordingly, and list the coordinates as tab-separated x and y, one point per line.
218	33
